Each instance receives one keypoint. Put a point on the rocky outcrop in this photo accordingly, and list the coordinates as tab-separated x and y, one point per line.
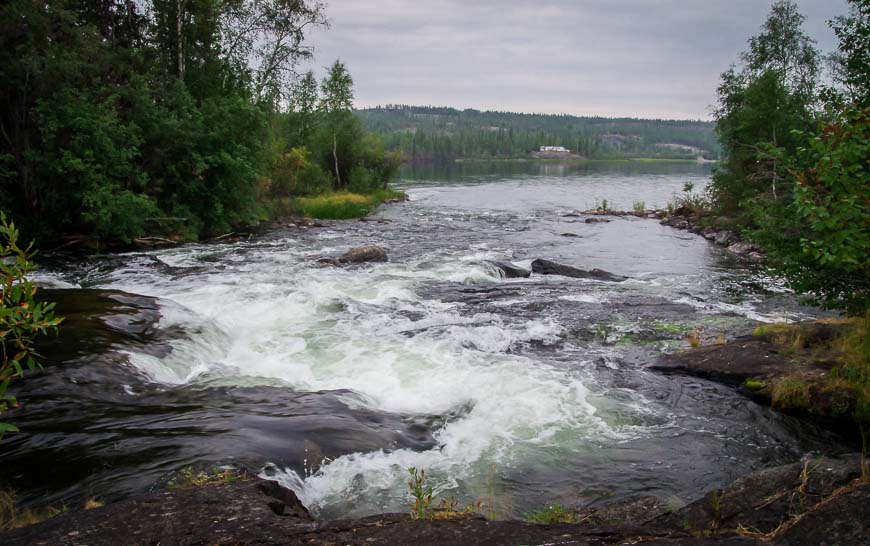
815	501
363	254
508	270
547	267
358	255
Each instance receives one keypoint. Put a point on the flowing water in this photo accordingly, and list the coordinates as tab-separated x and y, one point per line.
515	392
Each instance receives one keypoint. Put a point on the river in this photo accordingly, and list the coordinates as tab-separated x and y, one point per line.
514	392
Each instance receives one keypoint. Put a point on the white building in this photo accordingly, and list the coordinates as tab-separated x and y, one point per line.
555	149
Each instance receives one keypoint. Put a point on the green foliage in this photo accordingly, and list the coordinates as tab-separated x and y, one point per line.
825	253
639	206
125	119
554	513
22	318
421	507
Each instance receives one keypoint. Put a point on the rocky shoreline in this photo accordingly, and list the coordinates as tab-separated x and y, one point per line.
721	231
819	500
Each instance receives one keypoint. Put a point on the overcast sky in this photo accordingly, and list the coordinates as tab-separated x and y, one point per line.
645	58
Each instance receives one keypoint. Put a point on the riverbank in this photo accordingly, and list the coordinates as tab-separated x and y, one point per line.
818	500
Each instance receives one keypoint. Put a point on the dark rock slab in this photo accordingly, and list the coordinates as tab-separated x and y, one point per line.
547	267
511	271
244	512
731	363
767	499
596	220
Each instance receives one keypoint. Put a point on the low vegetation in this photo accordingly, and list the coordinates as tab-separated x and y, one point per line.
342	205
423	506
842	347
187	477
553	513
22	317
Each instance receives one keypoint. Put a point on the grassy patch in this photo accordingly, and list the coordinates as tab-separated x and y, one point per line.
790	393
754	384
841	344
343	205
187	477
554	513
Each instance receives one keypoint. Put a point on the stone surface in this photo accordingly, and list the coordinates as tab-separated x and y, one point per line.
725	238
547	267
511	271
363	254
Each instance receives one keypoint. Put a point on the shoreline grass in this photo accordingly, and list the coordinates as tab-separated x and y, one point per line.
343	205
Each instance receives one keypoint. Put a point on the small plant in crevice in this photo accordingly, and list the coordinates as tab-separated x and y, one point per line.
553	513
422	506
716	506
639	206
187	477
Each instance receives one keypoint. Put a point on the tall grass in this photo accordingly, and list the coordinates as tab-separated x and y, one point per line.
342	205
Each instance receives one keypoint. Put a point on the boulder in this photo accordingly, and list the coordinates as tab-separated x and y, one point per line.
709	233
725	238
681	224
510	271
742	248
547	267
596	220
363	254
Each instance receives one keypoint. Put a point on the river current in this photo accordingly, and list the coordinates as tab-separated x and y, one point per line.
333	381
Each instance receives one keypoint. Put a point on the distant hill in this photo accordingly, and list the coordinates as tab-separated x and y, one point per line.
426	133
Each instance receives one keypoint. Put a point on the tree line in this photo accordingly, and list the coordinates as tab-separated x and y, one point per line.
795	153
425	133
181	118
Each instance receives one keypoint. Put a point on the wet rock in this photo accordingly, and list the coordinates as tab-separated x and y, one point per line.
363	254
709	233
547	267
756	257
511	271
252	511
681	224
725	238
567	234
732	363
329	261
742	248
596	220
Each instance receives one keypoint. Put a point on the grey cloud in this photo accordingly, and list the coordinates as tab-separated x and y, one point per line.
652	58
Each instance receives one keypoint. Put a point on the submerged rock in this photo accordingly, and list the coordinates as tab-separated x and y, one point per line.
597	220
511	271
363	254
547	267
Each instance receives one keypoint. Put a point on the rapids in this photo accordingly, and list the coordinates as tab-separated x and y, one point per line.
333	381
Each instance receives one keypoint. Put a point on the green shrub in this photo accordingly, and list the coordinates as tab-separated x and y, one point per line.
22	318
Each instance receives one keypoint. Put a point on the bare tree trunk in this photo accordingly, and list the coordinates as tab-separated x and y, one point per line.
335	156
179	23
